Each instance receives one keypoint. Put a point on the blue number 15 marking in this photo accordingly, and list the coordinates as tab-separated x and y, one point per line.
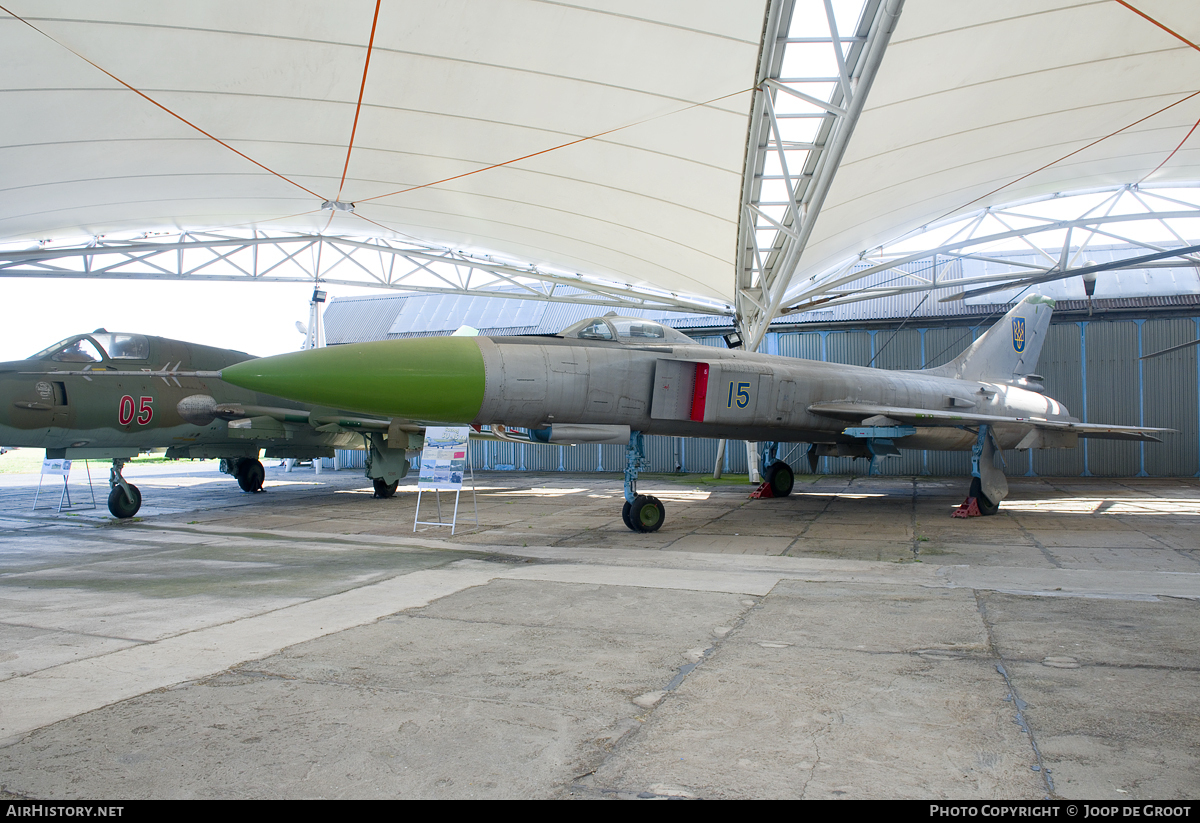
742	396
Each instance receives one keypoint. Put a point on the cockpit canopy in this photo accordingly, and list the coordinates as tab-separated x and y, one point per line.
635	330
93	348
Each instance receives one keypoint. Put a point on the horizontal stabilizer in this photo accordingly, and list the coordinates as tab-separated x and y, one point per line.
925	417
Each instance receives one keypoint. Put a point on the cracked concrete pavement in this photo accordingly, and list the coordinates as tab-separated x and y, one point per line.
849	641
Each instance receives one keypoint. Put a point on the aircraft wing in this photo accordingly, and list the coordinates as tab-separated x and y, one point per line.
858	412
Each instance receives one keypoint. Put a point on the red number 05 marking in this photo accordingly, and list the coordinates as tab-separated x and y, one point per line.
126	411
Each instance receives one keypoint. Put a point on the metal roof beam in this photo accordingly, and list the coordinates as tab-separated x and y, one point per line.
368	258
820	286
807	186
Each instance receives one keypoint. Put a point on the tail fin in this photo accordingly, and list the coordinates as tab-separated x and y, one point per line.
1009	350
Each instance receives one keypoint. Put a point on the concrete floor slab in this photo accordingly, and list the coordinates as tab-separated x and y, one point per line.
1124	557
879	550
731	544
305	642
983	554
1126	538
855	711
468	698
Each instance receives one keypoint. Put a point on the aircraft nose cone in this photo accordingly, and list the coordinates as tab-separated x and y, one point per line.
437	379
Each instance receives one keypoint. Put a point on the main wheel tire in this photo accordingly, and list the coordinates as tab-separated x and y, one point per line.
384	489
781	478
986	507
119	504
625	517
647	513
251	475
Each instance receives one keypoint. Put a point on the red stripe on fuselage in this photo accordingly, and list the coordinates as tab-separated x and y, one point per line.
700	392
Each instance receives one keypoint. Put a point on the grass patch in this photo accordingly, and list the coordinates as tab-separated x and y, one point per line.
703	479
29	461
22	461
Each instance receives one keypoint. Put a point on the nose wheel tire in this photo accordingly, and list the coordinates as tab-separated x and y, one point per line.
986	507
250	475
781	478
120	505
384	489
645	514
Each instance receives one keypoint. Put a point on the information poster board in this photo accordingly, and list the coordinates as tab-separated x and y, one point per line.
56	467
444	458
61	468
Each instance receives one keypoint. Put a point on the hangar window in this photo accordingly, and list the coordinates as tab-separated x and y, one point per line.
124	346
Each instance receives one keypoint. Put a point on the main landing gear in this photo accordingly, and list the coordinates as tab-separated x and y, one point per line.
385	466
641	512
988	483
124	500
384	489
778	477
986	507
248	471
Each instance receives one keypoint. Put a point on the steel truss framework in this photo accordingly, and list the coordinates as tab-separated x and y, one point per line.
1030	239
799	129
1033	238
366	262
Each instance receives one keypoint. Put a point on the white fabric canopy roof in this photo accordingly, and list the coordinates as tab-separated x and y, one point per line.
972	97
452	87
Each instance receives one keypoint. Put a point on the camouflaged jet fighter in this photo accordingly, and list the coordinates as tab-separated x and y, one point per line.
613	379
107	396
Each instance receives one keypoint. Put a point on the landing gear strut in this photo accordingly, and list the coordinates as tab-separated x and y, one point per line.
124	500
641	512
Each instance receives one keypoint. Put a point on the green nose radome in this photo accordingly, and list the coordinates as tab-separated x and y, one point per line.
435	379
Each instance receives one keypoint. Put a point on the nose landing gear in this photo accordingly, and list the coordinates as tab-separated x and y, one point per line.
124	500
641	512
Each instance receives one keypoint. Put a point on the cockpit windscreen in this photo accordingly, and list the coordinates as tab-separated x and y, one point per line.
626	330
93	348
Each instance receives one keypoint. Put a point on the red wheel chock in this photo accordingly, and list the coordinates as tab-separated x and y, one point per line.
969	508
763	491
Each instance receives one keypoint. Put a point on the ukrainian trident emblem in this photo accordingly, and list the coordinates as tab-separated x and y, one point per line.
1018	324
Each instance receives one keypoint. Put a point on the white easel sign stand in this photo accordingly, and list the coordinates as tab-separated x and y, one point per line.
445	459
61	468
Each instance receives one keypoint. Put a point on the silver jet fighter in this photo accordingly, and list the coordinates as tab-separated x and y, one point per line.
614	379
111	396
